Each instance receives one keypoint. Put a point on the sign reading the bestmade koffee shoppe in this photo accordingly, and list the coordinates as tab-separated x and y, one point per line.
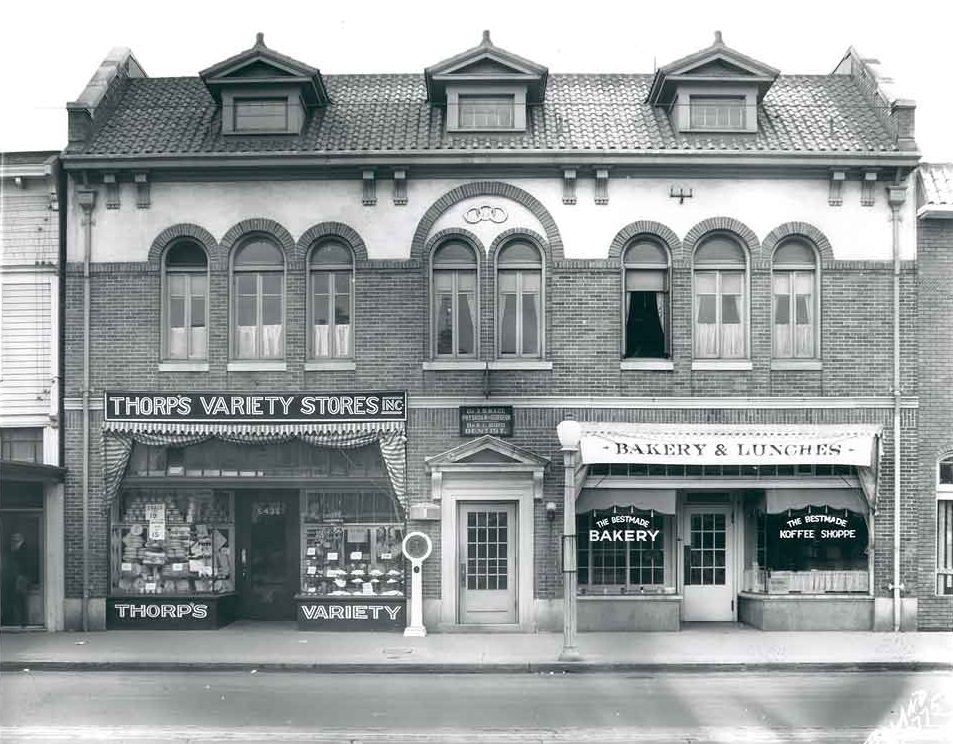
285	408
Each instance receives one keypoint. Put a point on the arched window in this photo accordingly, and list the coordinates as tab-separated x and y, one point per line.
519	281
454	269
944	526
794	279
720	299
332	300
186	301
645	313
258	290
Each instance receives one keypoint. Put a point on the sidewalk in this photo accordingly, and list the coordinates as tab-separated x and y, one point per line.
246	646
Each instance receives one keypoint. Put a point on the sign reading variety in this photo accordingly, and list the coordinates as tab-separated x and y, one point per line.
255	407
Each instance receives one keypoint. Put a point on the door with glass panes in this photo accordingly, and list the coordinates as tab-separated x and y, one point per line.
707	585
487	570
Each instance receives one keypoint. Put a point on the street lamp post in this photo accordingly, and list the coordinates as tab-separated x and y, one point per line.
569	432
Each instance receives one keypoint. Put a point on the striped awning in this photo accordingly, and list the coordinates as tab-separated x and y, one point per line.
119	437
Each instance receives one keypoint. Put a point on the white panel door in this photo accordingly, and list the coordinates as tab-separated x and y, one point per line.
708	587
487	565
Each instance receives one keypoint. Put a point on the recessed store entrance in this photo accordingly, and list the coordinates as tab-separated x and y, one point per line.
267	560
487	540
707	569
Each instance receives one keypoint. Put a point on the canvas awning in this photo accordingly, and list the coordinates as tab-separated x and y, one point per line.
118	438
779	500
706	444
646	499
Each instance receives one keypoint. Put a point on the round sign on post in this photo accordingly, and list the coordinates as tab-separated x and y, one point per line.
417	547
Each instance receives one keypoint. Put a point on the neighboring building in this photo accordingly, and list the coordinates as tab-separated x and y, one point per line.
935	269
31	479
329	310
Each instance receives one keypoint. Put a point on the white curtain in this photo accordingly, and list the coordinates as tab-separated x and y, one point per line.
322	340
342	339
271	341
706	318
247	342
198	340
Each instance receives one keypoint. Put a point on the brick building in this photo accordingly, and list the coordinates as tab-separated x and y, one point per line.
31	479
646	336
934	264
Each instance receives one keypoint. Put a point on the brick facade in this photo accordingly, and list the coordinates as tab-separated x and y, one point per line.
935	270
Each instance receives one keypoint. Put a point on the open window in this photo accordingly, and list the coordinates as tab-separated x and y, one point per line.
645	307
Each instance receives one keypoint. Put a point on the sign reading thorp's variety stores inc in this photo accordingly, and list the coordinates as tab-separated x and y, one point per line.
285	408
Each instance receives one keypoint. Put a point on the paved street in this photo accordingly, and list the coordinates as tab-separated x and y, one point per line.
692	707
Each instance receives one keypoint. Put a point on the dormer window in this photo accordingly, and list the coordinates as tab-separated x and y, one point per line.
263	92
485	112
714	90
486	89
717	112
261	114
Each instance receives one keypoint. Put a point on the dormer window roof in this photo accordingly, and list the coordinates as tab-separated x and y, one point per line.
264	92
486	88
716	89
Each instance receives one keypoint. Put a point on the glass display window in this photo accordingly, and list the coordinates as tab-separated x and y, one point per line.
813	550
625	551
351	545
173	542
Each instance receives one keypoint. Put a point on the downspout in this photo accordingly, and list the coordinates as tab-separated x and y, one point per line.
896	196
87	201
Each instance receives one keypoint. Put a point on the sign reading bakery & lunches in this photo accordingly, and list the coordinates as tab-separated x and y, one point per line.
283	408
820	445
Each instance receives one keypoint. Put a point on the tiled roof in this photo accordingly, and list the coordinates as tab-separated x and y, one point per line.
32	157
801	113
936	182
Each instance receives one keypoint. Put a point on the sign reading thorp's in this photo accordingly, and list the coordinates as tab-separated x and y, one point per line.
285	408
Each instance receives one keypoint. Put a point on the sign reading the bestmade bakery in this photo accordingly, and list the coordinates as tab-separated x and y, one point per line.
284	408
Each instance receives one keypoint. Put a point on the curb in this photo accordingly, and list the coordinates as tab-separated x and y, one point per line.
476	668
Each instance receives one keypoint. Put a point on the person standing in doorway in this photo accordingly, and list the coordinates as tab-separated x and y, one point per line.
15	582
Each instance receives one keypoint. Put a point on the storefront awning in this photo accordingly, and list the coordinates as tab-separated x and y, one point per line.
779	500
646	499
701	444
14	470
119	437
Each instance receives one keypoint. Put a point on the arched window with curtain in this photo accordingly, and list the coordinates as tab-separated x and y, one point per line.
944	526
331	271
454	282
794	281
645	300
258	279
186	301
720	275
519	281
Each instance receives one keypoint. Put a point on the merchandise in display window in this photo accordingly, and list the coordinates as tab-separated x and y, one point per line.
813	550
178	542
351	545
625	551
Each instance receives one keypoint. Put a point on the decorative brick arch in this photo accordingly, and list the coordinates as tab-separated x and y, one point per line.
264	225
645	227
455	232
486	188
801	230
331	229
726	224
519	232
185	230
